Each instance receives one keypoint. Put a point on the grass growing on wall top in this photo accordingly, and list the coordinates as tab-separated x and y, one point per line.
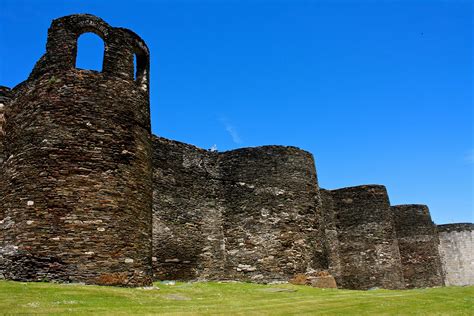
208	298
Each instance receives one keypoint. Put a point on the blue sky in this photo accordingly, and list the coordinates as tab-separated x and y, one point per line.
379	91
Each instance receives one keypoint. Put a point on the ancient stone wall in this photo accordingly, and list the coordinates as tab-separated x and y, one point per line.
88	195
418	243
368	252
188	239
78	204
272	212
5	96
247	214
457	255
329	235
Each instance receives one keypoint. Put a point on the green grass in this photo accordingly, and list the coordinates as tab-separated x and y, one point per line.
212	298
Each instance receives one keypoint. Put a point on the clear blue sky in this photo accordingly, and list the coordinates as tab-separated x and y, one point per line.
379	91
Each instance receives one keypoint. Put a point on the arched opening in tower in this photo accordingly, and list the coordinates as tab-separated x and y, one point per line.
90	52
140	64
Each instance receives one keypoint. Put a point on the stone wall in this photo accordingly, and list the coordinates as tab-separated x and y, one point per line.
367	248
457	255
418	242
272	213
5	96
188	239
247	214
329	235
77	207
87	195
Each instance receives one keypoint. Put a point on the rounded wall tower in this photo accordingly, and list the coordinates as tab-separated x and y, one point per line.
366	244
457	257
418	243
271	213
79	199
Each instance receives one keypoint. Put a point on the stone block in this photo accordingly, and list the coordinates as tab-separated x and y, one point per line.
324	282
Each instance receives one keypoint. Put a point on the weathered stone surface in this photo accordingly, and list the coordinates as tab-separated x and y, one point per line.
320	278
272	213
248	214
367	252
77	202
329	234
324	282
300	279
5	96
457	255
188	237
418	243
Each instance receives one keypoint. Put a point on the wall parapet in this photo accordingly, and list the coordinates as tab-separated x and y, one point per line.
455	227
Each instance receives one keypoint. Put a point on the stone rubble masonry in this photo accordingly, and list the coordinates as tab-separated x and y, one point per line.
78	202
249	214
272	213
362	240
329	235
5	96
87	194
418	243
457	255
188	237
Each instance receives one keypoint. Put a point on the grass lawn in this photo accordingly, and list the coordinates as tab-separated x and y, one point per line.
211	298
